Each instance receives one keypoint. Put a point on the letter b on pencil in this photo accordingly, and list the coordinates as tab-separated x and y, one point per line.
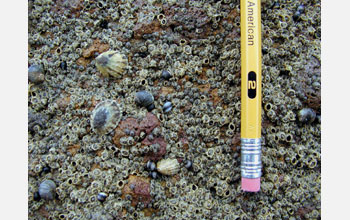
251	84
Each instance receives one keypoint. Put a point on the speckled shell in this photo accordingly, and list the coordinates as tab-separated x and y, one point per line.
47	189
168	166
105	117
111	63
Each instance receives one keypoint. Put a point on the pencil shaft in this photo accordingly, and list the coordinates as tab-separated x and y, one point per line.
250	69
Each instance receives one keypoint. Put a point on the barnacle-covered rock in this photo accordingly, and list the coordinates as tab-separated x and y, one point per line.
105	117
130	125
36	119
47	189
168	166
139	188
111	63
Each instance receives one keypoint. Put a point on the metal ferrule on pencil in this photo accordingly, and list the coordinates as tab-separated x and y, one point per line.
251	157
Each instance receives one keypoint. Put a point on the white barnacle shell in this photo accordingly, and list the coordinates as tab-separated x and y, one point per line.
168	166
111	63
47	189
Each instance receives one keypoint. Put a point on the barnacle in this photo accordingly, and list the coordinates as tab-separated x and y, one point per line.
111	63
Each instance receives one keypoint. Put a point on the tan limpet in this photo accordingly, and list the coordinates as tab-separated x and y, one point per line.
105	117
111	63
168	166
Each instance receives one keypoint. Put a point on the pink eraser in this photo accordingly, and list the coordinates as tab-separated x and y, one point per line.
251	185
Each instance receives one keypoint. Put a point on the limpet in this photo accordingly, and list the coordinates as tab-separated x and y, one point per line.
105	117
111	63
168	166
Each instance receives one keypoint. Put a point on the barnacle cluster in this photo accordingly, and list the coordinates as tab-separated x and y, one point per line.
161	137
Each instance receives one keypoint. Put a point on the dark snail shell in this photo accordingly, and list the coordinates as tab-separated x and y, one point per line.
306	115
166	74
167	107
36	74
47	190
144	98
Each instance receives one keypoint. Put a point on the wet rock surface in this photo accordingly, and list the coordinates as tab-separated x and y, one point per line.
186	53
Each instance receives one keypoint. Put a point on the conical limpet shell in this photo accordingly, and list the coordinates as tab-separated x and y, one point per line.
168	166
111	63
105	117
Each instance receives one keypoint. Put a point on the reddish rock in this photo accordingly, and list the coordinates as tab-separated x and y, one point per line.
236	141
63	102
73	149
166	90
302	211
129	123
184	142
148	123
191	19
146	27
96	46
88	53
155	155
43	212
179	159
215	97
139	189
311	69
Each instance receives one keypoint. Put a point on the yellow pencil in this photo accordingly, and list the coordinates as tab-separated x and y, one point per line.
250	95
